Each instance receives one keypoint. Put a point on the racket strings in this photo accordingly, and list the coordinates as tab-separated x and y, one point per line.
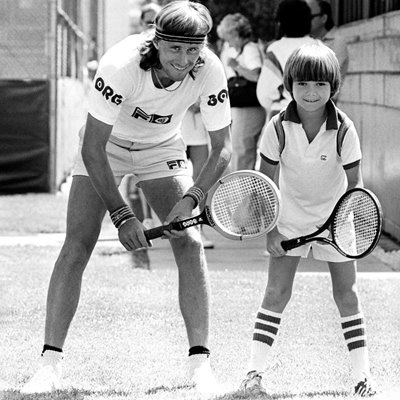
356	224
245	205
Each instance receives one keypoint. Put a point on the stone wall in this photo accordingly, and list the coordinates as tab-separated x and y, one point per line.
371	97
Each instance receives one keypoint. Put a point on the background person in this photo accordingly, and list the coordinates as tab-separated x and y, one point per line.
247	122
141	93
322	27
294	25
148	14
310	186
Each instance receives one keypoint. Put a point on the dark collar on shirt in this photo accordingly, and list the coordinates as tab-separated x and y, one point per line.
331	120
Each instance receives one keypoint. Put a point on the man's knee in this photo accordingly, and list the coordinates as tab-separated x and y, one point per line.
74	255
189	245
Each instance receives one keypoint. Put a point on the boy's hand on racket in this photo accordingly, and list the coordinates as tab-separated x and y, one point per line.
131	235
274	239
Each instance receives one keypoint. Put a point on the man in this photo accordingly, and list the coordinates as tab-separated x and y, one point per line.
322	27
141	93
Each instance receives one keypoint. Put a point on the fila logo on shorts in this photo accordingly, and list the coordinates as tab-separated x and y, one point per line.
107	91
176	164
153	118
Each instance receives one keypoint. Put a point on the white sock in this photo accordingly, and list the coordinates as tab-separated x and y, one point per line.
356	340
265	331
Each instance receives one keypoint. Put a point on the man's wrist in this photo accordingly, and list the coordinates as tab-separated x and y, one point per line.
196	194
121	215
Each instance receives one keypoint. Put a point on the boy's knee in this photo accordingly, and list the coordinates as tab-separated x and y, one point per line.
346	299
277	297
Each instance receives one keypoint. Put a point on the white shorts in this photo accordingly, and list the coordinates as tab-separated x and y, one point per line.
144	160
317	250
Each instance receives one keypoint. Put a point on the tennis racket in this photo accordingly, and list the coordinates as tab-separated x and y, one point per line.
241	205
355	225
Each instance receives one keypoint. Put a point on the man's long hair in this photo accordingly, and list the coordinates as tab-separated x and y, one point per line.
180	18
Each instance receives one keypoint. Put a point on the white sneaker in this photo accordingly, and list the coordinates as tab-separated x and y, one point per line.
201	375
48	377
253	384
365	388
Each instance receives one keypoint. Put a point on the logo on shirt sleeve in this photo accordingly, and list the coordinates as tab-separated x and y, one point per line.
107	91
220	97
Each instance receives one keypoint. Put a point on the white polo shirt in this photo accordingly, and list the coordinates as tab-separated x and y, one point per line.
312	175
124	95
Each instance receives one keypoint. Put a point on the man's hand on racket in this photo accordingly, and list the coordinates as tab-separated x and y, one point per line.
274	239
131	235
183	209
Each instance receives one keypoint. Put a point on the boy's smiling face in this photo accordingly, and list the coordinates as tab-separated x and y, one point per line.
311	95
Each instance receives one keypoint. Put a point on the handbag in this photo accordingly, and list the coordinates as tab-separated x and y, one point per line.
242	92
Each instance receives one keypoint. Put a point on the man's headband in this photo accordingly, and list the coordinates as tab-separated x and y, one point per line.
194	39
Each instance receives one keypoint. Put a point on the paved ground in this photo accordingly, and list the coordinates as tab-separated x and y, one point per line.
227	254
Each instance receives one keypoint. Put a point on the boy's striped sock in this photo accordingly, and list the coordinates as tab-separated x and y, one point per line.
356	341
265	331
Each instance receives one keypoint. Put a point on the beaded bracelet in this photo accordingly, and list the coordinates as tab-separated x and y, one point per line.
121	215
196	194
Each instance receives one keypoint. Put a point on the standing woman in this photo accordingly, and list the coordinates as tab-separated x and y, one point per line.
247	122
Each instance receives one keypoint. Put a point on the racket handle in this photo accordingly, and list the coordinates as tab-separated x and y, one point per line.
158	231
291	244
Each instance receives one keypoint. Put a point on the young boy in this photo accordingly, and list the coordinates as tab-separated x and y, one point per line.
312	178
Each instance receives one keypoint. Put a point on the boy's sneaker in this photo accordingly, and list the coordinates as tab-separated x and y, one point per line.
365	388
48	377
201	375
253	384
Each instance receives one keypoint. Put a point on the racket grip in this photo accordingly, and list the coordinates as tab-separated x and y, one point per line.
158	231
291	244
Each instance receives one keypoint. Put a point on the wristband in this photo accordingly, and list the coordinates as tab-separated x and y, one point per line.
125	220
196	194
121	215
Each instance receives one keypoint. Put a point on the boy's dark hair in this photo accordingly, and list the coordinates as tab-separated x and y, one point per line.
294	18
312	62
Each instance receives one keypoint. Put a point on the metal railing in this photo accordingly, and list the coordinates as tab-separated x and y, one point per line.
354	10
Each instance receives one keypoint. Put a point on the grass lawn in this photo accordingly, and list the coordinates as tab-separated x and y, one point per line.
32	213
128	341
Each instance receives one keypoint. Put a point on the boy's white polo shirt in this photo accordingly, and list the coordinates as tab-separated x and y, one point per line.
312	175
